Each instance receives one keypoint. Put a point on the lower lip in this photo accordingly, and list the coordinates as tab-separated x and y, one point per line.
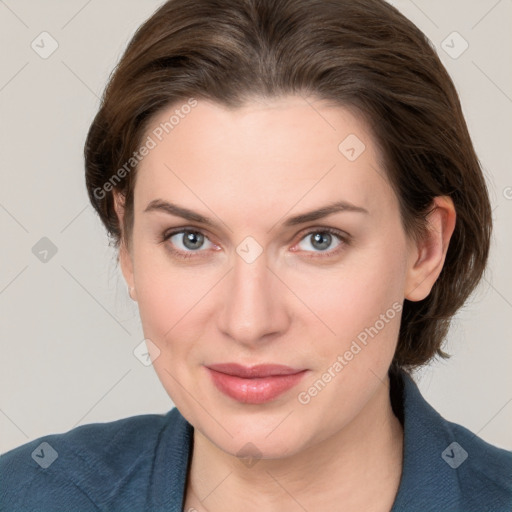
256	390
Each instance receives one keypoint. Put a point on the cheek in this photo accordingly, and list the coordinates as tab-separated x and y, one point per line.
176	311
169	303
363	307
352	297
161	292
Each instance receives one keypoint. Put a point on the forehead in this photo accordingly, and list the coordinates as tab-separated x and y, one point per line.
275	150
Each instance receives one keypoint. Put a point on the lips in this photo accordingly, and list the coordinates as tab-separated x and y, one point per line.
250	372
256	384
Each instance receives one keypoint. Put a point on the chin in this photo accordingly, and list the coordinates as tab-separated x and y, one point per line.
259	446
265	438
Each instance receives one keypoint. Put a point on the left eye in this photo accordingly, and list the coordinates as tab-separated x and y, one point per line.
320	240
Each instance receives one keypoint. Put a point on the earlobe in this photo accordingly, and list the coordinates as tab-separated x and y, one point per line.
124	256
428	255
126	263
132	293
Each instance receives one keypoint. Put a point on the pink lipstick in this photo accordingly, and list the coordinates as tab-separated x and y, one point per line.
256	384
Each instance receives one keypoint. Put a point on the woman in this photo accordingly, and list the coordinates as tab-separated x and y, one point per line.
299	212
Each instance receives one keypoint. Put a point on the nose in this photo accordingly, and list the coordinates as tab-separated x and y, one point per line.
254	308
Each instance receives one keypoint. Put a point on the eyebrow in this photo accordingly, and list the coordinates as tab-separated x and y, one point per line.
190	215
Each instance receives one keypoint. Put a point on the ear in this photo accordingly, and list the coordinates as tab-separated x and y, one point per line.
124	257
427	255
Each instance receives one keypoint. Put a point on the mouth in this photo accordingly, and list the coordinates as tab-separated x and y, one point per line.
256	384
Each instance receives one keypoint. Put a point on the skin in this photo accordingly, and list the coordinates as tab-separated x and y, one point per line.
297	304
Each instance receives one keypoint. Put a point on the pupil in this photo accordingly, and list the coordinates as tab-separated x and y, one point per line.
324	240
192	240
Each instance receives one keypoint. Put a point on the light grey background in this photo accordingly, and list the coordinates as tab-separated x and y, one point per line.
68	327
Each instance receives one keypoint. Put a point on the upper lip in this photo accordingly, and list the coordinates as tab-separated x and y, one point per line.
259	370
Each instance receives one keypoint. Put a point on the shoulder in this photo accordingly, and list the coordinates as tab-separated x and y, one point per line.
85	468
484	470
446	466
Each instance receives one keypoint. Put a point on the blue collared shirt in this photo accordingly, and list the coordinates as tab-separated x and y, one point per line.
140	464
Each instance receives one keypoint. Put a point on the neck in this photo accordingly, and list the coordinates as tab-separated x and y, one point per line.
360	466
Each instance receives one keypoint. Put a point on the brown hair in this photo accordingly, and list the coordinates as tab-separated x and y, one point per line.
361	54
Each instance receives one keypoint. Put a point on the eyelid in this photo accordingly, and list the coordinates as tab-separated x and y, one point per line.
184	229
344	238
324	229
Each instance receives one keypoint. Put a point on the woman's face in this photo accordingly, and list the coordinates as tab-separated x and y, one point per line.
257	284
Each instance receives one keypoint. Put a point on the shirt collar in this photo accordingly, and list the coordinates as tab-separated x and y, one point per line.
427	478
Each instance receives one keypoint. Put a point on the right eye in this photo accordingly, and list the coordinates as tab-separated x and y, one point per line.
185	242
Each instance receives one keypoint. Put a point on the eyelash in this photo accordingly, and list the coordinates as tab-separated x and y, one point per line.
344	238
